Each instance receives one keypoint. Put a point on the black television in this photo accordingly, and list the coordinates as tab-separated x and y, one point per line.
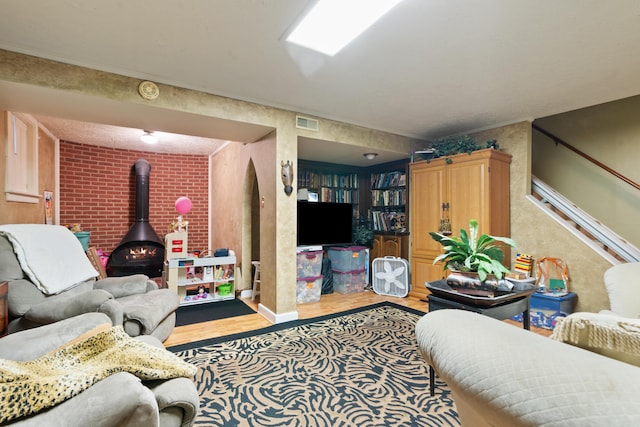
323	223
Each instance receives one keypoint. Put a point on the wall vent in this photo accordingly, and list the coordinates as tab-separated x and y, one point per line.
307	123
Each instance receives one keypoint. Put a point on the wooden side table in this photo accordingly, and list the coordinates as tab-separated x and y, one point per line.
4	309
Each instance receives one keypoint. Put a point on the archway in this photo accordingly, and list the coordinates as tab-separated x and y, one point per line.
251	224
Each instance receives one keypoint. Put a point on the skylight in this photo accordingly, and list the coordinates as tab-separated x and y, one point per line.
332	24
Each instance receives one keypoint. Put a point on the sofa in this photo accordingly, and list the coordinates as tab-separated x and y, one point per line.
614	332
120	399
50	279
502	375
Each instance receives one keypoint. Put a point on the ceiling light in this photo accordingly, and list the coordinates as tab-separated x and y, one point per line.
370	156
332	24
148	137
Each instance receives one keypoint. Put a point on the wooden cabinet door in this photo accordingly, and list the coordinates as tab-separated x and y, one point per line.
467	195
376	248
427	195
422	271
391	246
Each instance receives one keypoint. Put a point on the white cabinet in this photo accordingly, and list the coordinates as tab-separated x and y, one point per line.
201	280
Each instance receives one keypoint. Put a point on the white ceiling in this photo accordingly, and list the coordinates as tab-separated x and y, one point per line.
430	68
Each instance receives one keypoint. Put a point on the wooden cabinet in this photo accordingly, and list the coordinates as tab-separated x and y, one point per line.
396	245
474	185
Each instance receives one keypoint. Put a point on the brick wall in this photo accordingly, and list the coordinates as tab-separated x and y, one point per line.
97	190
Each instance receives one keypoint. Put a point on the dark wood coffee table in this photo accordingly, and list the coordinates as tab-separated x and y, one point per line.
501	308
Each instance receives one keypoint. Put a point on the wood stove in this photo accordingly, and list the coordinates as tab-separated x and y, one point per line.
141	250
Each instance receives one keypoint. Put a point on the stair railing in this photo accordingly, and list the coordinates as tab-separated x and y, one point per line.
584	155
609	242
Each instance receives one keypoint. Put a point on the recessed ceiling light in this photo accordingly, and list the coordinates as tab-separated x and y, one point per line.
332	24
148	137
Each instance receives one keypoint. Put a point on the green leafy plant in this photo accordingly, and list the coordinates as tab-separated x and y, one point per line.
450	145
473	253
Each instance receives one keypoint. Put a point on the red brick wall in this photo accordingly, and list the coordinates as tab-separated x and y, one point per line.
97	191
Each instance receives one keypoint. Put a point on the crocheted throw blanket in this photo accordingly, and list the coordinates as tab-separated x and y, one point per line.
29	387
602	331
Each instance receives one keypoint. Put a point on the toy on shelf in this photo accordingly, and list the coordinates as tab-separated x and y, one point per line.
183	206
176	240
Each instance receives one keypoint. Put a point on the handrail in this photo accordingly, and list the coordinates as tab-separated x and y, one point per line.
586	156
599	231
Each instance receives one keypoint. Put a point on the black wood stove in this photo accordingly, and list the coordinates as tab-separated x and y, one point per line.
141	250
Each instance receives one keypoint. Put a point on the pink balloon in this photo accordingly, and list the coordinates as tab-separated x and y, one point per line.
183	205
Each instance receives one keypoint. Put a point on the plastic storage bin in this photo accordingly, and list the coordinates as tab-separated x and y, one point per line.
546	308
308	289
349	282
309	263
348	258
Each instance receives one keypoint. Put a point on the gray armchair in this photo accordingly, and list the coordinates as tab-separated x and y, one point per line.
119	400
133	301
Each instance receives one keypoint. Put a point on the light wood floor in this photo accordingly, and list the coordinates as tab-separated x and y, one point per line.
328	304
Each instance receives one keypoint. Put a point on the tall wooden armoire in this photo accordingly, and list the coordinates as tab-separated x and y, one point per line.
472	185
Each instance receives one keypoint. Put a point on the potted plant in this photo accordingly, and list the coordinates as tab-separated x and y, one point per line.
475	261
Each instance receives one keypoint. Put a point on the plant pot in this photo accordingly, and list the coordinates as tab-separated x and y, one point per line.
469	283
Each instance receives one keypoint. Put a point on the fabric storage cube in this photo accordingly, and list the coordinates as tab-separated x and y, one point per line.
347	258
546	308
308	289
309	263
350	281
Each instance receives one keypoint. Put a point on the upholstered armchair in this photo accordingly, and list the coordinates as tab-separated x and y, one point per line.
51	279
613	333
120	399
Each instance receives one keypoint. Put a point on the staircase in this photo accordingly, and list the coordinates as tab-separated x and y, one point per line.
586	228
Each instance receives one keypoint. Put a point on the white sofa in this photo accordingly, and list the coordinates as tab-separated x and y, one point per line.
502	375
615	332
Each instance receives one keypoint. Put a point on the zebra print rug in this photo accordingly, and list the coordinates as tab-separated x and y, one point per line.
357	368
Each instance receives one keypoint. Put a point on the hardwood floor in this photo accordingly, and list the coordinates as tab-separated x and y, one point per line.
328	304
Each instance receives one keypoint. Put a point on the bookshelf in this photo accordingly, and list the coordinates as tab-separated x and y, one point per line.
388	201
201	280
332	183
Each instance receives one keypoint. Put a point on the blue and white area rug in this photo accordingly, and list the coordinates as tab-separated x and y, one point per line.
356	368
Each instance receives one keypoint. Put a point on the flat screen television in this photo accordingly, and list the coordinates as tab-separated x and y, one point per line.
321	223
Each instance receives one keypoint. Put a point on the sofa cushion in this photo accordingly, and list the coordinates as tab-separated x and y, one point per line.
621	281
149	309
22	296
126	285
50	255
9	265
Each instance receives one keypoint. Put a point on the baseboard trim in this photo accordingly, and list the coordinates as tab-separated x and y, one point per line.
277	318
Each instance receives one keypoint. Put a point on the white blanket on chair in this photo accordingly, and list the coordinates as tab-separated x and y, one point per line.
50	255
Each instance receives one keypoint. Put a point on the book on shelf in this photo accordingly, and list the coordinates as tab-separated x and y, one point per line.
392	197
388	221
388	179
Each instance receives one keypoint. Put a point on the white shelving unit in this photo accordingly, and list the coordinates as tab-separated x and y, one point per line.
201	280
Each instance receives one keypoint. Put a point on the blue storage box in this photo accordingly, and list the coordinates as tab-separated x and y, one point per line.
546	308
348	258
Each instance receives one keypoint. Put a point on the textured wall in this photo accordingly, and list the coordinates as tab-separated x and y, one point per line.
97	190
539	235
595	131
277	242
